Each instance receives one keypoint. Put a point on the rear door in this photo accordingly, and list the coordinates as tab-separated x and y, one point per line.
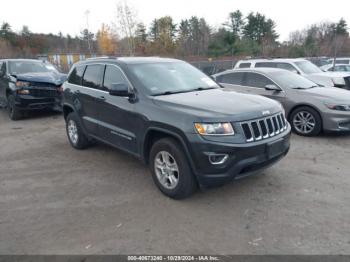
89	97
234	81
118	121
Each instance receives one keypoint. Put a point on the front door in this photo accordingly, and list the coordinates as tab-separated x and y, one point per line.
118	121
257	84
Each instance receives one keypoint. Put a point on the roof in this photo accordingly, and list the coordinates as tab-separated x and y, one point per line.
265	70
274	60
22	60
133	60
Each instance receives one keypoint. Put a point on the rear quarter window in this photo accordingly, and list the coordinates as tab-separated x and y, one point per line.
244	65
76	76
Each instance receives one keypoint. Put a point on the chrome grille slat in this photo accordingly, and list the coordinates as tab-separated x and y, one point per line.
263	128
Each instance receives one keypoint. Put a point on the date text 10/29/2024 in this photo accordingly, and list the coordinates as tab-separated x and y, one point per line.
173	258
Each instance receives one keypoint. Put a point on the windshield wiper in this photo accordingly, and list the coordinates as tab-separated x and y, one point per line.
183	91
202	88
166	93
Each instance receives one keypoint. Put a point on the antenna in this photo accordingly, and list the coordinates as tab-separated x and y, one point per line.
87	13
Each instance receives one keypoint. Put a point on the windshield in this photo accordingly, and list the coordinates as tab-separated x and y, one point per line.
308	67
23	67
173	77
291	80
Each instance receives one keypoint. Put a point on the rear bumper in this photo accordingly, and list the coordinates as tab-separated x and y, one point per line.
336	121
243	159
24	102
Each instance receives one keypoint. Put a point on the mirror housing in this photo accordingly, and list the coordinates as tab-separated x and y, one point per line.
272	88
120	89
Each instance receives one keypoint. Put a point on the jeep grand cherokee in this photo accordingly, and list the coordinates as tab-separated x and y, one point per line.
174	118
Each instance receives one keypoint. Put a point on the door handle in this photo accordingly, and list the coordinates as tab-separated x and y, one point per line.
102	98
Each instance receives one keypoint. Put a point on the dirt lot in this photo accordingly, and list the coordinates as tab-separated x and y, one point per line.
56	200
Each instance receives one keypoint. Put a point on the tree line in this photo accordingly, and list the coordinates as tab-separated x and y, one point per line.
240	35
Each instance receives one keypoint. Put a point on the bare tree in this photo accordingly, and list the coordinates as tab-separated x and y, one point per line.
126	21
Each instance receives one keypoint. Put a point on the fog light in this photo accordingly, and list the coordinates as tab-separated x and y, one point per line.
23	92
217	159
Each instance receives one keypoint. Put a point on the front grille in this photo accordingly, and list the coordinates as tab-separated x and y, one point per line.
260	129
44	92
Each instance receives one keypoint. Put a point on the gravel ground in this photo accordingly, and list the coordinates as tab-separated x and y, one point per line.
56	200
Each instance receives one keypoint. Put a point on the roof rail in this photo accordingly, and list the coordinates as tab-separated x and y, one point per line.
102	57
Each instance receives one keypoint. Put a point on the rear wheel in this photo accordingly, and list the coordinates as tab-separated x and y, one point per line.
170	169
306	121
75	134
13	112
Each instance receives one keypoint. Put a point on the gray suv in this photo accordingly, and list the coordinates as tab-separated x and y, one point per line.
173	117
309	108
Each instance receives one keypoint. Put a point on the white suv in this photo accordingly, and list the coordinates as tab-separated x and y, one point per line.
302	67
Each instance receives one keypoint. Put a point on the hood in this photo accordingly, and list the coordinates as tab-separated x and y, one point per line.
44	77
221	103
328	94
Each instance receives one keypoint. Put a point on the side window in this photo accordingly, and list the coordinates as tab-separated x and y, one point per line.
244	65
76	75
93	76
265	64
113	75
342	61
287	66
1	70
231	78
257	80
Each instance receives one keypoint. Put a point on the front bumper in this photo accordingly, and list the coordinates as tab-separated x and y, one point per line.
26	102
336	121
243	159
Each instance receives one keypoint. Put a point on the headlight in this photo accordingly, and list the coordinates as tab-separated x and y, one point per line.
21	84
217	129
338	81
338	107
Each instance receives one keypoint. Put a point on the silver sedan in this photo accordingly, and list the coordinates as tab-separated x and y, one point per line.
309	108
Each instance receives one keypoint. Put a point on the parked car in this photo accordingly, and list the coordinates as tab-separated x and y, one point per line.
339	60
302	67
309	108
29	85
173	117
336	68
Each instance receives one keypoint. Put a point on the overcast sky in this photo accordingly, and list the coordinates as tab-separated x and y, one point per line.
67	16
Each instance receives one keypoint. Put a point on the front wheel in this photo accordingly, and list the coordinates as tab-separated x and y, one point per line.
13	112
170	169
306	121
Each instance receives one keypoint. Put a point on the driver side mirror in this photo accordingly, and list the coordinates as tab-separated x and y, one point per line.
272	88
120	89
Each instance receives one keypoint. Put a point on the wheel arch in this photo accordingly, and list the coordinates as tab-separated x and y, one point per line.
67	109
291	111
154	134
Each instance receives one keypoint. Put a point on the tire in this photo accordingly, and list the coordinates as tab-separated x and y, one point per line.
171	150
13	112
75	133
306	121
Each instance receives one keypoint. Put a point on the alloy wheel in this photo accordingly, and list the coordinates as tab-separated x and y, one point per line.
73	132
166	169
304	122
